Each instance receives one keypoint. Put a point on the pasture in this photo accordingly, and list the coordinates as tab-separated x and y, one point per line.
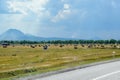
24	59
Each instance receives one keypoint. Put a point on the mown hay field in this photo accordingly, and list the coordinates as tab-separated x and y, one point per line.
19	59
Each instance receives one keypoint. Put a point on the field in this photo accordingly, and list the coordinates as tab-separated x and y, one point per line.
23	59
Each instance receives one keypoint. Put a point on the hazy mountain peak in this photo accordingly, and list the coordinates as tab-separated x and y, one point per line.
14	31
14	34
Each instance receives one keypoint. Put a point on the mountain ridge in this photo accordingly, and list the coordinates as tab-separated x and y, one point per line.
14	34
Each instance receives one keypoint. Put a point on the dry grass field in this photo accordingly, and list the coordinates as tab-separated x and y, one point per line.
19	59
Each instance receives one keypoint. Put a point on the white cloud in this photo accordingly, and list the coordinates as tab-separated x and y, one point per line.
62	14
66	6
24	7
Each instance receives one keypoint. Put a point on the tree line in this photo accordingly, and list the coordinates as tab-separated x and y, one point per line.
111	41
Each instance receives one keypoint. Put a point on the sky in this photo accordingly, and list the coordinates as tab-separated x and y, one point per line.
83	19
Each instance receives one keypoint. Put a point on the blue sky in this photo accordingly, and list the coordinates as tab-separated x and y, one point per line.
84	19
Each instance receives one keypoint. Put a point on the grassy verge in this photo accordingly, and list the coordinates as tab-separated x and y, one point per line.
27	72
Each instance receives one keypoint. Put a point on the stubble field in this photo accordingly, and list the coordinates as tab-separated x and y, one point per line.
19	59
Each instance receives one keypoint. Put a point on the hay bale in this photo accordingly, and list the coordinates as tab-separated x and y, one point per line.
45	47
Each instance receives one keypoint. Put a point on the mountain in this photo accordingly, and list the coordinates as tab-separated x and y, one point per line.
14	34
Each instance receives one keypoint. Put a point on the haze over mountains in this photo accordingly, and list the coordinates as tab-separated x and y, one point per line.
14	34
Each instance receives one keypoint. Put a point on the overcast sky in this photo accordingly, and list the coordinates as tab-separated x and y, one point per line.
84	19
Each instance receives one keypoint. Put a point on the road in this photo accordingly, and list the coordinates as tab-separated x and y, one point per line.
108	71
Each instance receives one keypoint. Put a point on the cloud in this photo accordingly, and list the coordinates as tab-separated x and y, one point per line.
26	6
63	13
66	6
4	7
